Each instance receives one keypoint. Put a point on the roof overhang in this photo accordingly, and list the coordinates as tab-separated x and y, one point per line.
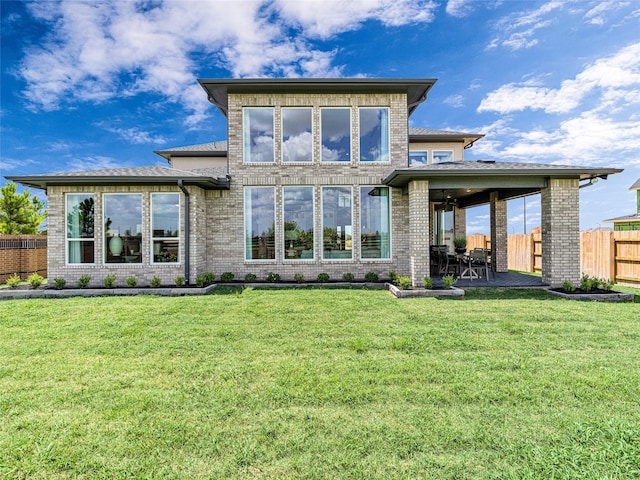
218	90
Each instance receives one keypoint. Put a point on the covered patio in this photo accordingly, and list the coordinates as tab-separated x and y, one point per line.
466	184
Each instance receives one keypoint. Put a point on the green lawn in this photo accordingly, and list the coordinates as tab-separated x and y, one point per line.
332	384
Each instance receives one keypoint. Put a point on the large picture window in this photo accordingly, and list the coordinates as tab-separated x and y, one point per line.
335	128
374	134
165	227
297	140
375	231
258	135
122	227
259	223
298	222
80	228
337	242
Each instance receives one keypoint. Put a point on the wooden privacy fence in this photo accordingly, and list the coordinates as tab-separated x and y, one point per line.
22	254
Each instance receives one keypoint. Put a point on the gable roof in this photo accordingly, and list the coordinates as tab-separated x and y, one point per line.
207	178
211	149
218	89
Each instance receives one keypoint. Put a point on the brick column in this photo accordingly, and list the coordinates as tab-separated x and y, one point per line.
560	232
499	239
419	231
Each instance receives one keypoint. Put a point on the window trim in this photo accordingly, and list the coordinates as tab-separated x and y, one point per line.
321	253
390	211
153	238
426	155
296	162
244	228
313	210
388	139
433	152
105	246
80	239
245	156
321	142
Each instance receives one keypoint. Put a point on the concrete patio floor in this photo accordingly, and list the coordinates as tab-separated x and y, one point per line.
502	279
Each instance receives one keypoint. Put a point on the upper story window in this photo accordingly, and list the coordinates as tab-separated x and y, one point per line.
418	157
258	135
165	227
122	227
374	134
440	156
297	139
80	228
335	131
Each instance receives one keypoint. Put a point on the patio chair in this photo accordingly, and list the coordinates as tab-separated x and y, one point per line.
447	265
479	262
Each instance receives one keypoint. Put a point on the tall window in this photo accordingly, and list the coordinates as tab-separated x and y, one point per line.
297	141
259	223
418	158
122	227
337	242
165	227
298	222
80	223
375	231
335	127
258	135
374	134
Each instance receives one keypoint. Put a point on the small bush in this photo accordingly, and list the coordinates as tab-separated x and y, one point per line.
205	279
404	283
299	278
35	280
132	282
371	277
109	281
427	282
83	281
155	282
59	283
250	278
393	277
227	277
179	281
348	277
605	284
273	277
568	286
14	280
449	281
323	277
588	283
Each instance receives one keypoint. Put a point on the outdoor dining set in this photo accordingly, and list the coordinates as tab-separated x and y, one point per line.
474	264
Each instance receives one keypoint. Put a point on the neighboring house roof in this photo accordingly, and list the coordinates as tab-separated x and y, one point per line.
207	178
635	186
211	149
625	218
432	135
218	88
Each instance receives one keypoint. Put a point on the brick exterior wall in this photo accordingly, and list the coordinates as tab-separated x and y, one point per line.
22	255
499	234
418	227
560	232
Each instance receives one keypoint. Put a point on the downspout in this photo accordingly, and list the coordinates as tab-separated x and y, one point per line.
187	231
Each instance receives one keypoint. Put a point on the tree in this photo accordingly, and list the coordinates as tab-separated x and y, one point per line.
20	214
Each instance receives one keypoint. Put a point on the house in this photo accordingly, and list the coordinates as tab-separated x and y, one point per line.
316	175
629	222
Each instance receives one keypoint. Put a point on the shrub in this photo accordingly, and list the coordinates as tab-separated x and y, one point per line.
250	278
132	282
449	281
299	278
323	277
427	282
568	286
205	279
587	283
83	281
227	277
109	281
14	280
348	277
273	277
155	282
605	284
404	283
371	277
179	281
35	280
59	283
393	277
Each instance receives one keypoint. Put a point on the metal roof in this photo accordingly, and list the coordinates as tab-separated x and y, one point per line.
218	89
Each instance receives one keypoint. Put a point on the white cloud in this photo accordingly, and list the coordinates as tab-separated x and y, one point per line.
455	101
459	8
596	16
134	135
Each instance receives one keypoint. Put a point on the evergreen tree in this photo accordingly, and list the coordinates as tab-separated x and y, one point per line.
20	214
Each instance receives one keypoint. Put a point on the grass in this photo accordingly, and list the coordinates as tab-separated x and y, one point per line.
320	384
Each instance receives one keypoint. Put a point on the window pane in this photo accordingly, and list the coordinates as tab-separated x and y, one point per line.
440	156
258	135
336	222
123	228
259	218
374	222
297	141
80	225
336	134
374	134
298	222
165	226
418	158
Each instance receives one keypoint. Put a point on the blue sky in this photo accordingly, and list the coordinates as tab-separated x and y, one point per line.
101	84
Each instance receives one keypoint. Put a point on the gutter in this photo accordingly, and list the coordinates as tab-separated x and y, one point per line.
187	231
